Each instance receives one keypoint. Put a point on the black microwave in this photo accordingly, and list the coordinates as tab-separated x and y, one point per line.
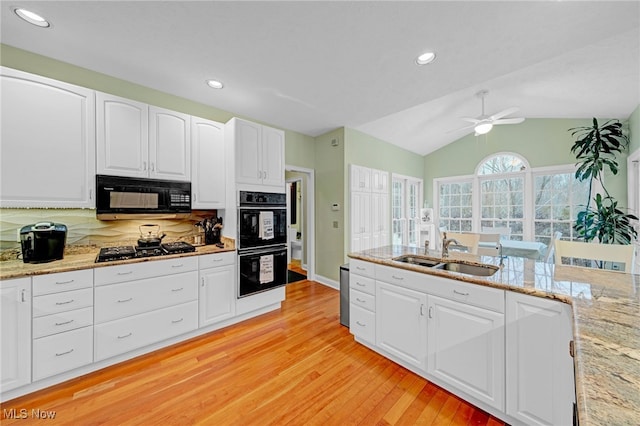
137	198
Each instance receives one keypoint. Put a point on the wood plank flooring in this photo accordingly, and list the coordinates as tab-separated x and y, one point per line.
295	366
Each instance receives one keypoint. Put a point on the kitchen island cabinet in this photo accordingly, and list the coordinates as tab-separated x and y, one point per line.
15	329
48	142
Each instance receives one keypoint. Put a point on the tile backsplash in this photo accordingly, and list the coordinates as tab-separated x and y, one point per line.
84	228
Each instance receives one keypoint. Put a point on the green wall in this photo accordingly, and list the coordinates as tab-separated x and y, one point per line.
543	142
329	173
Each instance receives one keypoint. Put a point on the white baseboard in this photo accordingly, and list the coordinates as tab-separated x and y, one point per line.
328	282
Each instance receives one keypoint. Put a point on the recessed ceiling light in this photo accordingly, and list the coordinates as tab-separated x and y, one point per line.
215	84
31	17
425	58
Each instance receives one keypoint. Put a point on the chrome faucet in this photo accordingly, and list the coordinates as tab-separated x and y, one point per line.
445	244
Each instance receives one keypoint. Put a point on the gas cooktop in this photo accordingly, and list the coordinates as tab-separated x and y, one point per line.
130	252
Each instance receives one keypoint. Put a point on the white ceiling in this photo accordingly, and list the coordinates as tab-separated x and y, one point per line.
316	66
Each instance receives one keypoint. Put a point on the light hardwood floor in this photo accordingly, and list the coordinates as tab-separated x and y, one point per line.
294	366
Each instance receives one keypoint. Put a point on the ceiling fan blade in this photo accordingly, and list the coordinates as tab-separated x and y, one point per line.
504	113
514	120
470	119
462	128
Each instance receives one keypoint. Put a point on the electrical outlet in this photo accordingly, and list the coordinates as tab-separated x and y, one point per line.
335	224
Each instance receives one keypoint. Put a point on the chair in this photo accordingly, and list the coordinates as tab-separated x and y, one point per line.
594	251
465	240
489	239
504	231
550	248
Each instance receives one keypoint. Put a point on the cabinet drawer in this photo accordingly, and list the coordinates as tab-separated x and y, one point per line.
360	267
63	321
471	294
62	352
61	302
360	283
363	300
362	323
401	277
122	300
63	281
216	259
120	336
136	271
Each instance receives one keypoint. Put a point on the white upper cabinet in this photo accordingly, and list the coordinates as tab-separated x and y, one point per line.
360	178
380	181
122	136
48	142
207	164
259	153
169	144
138	140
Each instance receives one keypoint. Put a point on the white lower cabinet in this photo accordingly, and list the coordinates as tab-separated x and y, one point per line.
466	349
362	301
540	375
217	293
401	323
123	335
15	329
62	352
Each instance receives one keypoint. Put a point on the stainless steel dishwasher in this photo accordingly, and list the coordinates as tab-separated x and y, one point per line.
344	295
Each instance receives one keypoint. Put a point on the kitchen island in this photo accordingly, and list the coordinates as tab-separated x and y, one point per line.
606	318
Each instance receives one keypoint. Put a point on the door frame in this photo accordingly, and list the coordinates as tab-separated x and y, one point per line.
309	210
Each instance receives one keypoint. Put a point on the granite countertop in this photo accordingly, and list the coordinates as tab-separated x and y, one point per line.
84	257
606	314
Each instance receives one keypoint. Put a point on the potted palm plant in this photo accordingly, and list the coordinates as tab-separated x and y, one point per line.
596	148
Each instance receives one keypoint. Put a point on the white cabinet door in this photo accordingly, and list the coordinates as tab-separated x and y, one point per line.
48	142
379	219
360	221
15	327
208	178
401	323
122	137
248	144
169	144
360	178
217	294
540	379
380	181
272	157
466	349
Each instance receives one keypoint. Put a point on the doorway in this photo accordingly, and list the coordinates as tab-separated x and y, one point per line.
300	219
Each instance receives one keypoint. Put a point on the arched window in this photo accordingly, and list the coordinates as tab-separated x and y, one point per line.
502	197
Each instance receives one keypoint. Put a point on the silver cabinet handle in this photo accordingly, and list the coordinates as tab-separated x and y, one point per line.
461	294
218	259
430	311
194	197
125	300
65	303
360	300
144	165
64	282
422	310
177	289
23	292
361	324
153	166
125	336
64	353
177	321
178	266
125	273
360	284
397	278
360	268
202	281
64	323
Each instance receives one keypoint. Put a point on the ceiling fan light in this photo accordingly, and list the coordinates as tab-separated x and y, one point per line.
426	58
483	128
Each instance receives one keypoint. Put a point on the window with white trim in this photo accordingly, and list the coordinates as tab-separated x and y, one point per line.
506	192
406	199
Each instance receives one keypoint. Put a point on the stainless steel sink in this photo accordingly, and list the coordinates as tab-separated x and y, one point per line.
417	260
482	270
479	270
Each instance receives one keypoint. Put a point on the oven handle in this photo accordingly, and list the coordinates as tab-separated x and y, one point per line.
263	250
266	207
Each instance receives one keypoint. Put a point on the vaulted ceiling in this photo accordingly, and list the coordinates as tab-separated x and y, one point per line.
316	66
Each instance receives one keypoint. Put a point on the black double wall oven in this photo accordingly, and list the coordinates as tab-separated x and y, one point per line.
262	242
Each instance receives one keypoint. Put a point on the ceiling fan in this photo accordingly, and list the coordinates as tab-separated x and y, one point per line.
484	123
